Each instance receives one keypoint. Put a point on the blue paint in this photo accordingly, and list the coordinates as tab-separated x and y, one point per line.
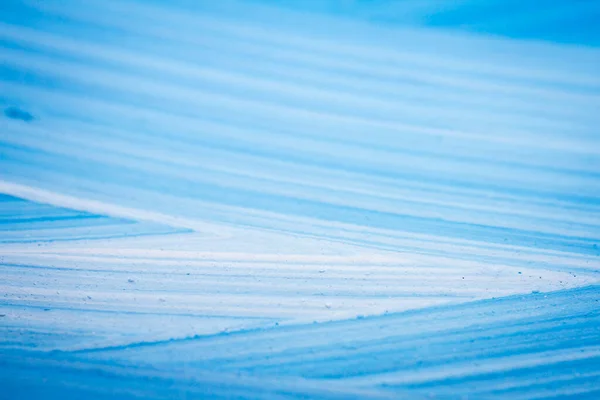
316	199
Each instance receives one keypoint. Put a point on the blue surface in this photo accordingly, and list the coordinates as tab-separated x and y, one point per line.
299	199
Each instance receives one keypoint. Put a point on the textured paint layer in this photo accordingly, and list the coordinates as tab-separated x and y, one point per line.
299	199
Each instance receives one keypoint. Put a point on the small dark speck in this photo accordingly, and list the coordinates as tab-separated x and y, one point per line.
130	280
17	113
46	309
2	315
535	291
519	272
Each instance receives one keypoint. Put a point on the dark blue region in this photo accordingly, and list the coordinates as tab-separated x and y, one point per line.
477	332
14	210
19	114
38	376
485	341
24	221
30	220
559	21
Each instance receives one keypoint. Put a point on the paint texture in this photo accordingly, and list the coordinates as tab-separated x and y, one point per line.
319	199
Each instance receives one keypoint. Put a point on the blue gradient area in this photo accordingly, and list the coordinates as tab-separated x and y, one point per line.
537	334
22	221
299	199
560	21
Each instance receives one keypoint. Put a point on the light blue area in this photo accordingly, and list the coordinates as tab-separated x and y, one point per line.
132	177
301	148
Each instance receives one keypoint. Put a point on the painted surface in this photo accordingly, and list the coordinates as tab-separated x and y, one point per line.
349	199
